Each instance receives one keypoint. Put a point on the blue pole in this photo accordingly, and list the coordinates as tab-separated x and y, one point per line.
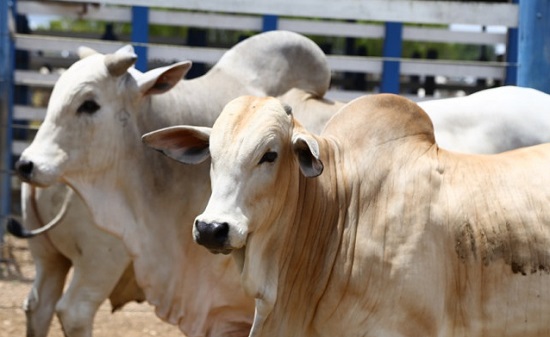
534	44
140	35
7	63
392	49
512	57
511	77
269	22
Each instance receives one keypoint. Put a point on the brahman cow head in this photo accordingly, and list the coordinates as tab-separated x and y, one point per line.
90	113
257	150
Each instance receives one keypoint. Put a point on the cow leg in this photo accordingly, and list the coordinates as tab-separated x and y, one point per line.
51	269
90	286
46	291
98	258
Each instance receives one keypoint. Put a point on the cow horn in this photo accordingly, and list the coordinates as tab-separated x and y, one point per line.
126	49
84	52
118	64
15	228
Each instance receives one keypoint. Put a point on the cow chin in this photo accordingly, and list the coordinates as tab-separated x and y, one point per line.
237	237
224	251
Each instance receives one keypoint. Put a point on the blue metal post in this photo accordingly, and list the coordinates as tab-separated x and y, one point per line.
534	44
269	22
512	57
511	77
7	52
140	35
391	52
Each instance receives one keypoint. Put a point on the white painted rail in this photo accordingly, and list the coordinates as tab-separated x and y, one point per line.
433	12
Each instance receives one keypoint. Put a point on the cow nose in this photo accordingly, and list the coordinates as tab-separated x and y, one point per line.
211	235
24	169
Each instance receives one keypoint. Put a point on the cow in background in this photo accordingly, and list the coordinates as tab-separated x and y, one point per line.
491	121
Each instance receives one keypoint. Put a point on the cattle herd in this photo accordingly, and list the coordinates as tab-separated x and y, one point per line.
292	214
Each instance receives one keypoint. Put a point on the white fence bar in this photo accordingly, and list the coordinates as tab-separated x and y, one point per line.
433	12
332	28
453	68
55	44
254	23
18	146
25	112
206	20
90	12
355	64
34	78
447	36
182	53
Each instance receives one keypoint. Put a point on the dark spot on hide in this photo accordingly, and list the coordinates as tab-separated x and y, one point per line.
520	246
466	242
517	268
123	117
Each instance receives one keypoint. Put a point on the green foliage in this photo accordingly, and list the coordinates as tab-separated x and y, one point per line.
80	26
447	51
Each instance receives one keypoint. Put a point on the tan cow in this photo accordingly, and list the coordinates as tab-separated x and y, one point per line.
371	229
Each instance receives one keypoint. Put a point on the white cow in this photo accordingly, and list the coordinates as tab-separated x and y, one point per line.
90	139
371	229
491	121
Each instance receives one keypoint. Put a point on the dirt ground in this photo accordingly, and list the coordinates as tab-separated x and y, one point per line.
16	275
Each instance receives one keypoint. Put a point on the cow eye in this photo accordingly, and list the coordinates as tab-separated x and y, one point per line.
88	107
268	157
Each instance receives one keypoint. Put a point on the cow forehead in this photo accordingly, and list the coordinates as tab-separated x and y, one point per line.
249	124
81	75
88	69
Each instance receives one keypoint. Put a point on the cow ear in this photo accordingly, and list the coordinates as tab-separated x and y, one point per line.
160	80
186	144
306	149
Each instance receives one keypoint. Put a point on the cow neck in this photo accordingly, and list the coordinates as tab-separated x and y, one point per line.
136	210
145	193
310	233
175	293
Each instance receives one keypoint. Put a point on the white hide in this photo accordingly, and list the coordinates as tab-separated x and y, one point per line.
491	121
